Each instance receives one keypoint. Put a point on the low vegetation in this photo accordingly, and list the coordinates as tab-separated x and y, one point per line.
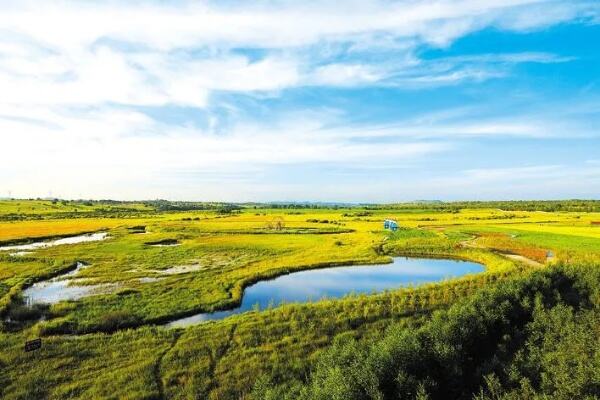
516	329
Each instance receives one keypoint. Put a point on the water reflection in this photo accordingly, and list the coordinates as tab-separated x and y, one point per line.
58	289
336	282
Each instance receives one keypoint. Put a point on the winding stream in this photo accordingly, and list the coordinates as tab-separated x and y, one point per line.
22	249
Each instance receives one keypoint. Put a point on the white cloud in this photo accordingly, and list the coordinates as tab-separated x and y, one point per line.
448	78
69	24
136	140
57	53
73	74
557	181
513	173
523	57
469	126
346	75
121	149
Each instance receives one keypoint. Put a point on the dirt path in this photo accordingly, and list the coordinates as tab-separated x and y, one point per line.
524	260
470	243
157	366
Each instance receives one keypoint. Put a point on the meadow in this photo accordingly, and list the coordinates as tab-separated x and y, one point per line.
413	342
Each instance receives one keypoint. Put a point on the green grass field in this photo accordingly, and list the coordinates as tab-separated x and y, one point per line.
111	345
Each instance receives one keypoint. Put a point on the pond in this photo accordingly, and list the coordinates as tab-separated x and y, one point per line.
61	288
335	282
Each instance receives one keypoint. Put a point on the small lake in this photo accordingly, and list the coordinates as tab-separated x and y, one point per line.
335	282
20	248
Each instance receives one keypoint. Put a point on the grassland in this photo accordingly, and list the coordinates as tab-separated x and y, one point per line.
110	345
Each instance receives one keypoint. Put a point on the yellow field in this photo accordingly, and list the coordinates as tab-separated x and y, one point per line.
47	228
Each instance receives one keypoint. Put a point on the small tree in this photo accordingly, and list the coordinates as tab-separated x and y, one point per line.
276	223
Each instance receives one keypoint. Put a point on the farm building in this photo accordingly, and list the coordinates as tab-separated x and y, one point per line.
390	224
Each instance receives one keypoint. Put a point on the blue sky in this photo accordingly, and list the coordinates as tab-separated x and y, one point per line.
376	101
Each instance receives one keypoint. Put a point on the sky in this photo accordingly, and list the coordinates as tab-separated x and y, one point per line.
354	101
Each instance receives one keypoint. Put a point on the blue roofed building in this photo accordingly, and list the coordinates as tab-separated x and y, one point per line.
390	224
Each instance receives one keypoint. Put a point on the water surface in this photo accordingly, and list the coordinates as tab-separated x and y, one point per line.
61	288
335	282
91	237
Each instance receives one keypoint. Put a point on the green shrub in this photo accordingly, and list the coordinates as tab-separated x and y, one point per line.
529	334
114	320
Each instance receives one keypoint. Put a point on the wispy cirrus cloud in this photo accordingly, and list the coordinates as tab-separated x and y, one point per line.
155	53
71	25
121	148
555	181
